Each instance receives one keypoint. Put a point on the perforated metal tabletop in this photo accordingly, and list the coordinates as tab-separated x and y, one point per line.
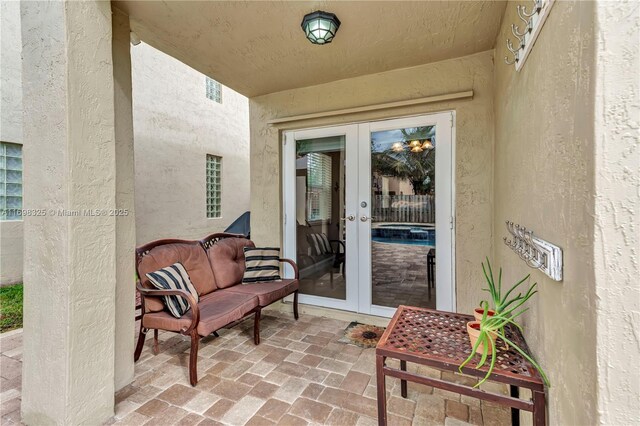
439	339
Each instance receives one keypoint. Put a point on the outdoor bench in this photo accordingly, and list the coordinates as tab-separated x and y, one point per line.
215	266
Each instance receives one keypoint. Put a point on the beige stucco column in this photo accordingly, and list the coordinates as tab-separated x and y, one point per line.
72	245
616	234
125	183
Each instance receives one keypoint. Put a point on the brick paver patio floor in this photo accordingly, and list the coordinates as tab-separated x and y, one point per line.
399	275
298	375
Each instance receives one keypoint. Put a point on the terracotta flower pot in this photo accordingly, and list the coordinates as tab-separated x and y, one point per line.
473	328
477	313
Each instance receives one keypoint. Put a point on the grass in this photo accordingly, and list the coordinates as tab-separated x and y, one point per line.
10	307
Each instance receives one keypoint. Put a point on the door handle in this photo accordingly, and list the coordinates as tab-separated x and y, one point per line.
350	217
365	218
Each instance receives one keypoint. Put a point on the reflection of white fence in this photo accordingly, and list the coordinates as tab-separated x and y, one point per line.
404	208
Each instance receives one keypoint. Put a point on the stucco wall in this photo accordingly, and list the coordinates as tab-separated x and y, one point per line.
11	73
70	278
474	146
175	127
616	235
10	129
544	180
11	251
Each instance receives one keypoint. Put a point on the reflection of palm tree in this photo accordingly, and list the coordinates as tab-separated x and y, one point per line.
416	167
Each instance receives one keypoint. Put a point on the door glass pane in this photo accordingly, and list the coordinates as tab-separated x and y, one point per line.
320	234
403	217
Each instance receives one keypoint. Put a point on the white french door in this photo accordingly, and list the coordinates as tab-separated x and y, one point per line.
320	169
368	213
406	214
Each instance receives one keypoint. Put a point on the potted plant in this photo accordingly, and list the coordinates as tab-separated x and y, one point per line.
483	335
500	302
480	344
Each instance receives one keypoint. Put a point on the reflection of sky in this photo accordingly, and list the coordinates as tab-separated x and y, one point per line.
382	141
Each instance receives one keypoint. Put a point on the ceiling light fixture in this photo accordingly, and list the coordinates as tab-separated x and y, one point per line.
320	27
415	145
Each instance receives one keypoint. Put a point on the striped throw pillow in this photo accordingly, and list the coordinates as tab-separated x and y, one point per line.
174	277
320	244
325	243
261	265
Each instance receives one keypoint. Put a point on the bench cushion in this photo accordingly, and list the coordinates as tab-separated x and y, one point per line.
227	260
217	309
267	292
191	255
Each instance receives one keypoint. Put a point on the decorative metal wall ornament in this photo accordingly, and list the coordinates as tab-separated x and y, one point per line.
526	32
320	27
536	252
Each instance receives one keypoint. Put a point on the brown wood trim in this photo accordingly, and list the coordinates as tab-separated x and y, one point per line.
193	358
295	304
140	344
256	327
244	317
294	265
146	248
195	316
156	343
458	388
211	239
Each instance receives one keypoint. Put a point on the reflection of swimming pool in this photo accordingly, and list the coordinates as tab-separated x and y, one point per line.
401	241
424	235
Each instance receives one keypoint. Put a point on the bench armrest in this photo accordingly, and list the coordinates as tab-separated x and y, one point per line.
195	311
293	265
340	244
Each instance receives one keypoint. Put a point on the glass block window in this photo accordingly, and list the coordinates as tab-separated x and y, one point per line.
214	186
214	90
10	181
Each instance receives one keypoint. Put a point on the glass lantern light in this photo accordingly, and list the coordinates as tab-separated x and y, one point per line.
320	27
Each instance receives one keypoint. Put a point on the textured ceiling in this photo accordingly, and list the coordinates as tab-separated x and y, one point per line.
258	47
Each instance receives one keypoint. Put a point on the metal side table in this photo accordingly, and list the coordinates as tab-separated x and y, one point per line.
439	339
